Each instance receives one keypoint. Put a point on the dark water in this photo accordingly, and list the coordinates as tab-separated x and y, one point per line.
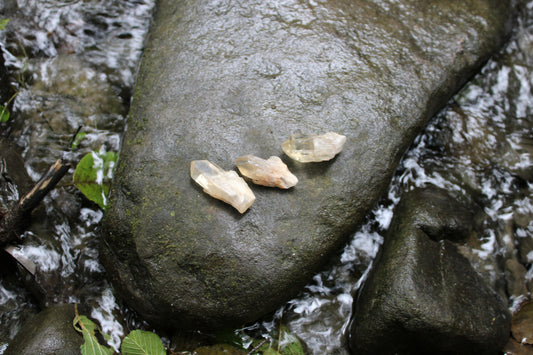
73	64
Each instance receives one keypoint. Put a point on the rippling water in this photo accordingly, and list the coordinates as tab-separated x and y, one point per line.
74	64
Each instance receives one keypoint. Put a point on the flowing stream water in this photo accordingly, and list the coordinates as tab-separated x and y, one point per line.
73	64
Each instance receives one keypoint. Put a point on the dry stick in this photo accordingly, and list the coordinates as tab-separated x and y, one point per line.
9	225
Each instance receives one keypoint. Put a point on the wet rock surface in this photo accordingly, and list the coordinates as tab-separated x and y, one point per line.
48	332
422	296
14	180
218	81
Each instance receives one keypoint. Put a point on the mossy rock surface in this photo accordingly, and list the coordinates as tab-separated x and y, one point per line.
221	79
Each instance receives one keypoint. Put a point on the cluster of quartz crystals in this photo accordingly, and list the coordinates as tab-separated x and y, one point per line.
223	185
231	188
312	148
270	172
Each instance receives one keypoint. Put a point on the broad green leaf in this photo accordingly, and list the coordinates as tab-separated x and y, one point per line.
4	114
82	323
141	342
3	23
93	175
91	346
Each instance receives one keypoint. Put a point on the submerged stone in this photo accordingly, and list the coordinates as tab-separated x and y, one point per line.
307	148
226	186
270	172
227	77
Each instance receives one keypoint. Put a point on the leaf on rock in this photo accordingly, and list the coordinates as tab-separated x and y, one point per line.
522	327
91	346
141	342
3	23
93	175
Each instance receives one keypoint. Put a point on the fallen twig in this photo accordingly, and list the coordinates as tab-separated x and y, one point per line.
10	224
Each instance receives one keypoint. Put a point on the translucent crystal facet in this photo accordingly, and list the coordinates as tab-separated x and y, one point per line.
313	148
227	186
270	172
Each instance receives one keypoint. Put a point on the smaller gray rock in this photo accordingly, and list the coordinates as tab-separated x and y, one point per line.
48	332
422	296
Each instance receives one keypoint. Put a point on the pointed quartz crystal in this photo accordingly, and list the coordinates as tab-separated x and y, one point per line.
270	172
313	148
227	186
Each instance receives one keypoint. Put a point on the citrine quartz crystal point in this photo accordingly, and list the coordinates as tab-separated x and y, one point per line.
313	148
270	172
227	186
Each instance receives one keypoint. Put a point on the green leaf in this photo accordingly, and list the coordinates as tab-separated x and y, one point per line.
4	114
91	346
93	175
290	344
141	342
3	23
77	140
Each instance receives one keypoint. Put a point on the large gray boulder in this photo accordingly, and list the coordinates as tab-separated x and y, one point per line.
221	79
422	296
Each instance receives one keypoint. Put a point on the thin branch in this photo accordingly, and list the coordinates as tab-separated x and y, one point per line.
10	224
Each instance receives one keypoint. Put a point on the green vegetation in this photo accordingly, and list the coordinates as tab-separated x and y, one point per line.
77	140
93	175
138	342
3	23
4	112
141	342
91	346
